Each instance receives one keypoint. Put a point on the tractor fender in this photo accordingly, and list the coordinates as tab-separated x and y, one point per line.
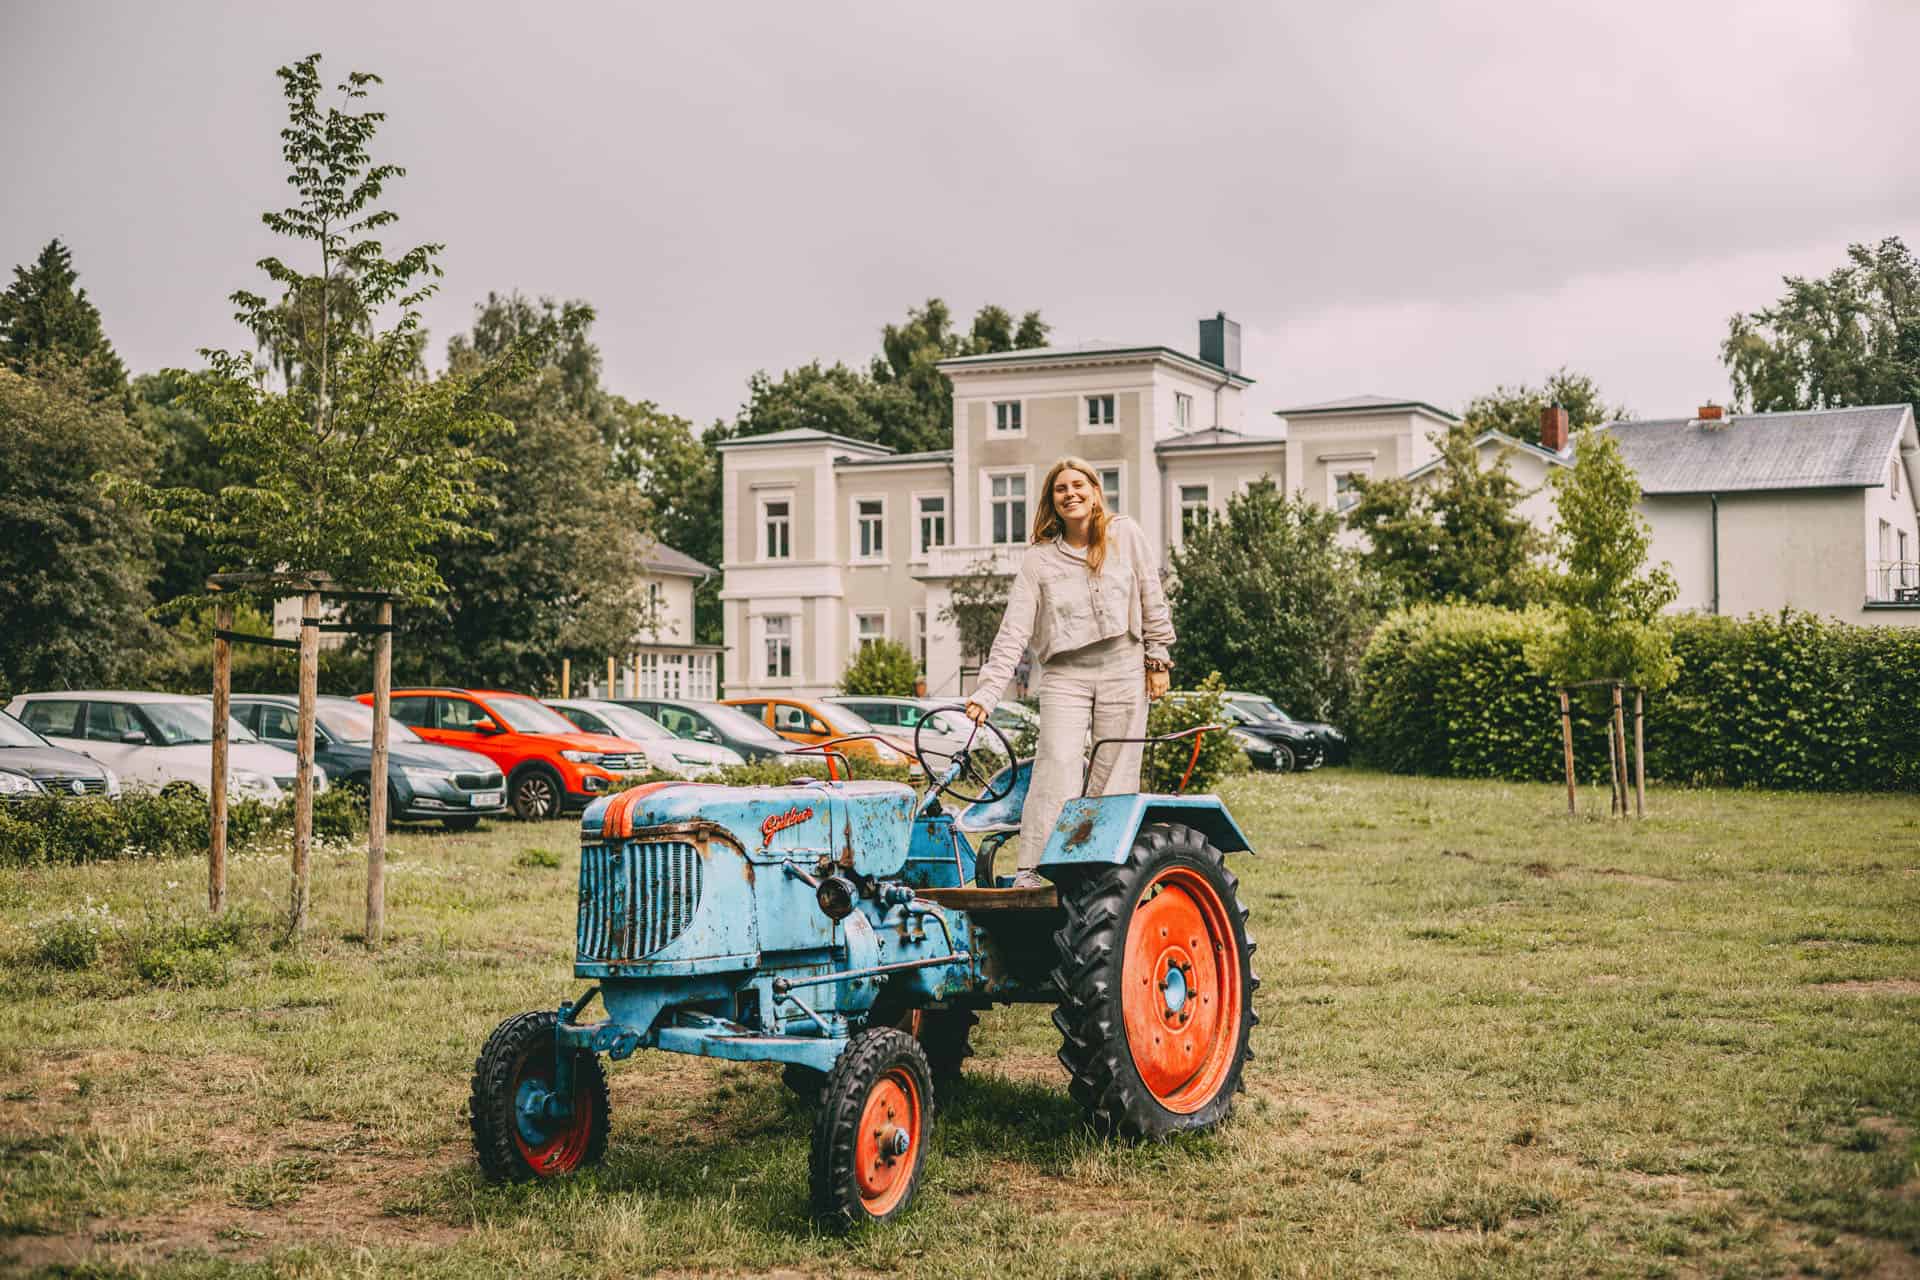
1095	830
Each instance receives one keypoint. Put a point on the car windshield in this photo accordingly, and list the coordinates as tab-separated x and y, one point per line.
15	734
182	724
524	715
354	725
1261	709
627	722
736	723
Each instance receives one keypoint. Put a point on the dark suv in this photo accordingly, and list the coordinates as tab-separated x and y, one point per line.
717	723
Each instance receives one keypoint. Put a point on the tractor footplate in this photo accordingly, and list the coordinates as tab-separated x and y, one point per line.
968	898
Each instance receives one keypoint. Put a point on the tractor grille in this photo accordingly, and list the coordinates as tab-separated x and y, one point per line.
636	897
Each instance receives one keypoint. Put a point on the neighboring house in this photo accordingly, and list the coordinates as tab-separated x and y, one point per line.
664	662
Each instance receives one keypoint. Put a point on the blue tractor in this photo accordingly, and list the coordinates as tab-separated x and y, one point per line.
852	930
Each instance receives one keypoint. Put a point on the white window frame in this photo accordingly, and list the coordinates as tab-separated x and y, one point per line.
765	523
1119	504
1181	508
862	640
768	639
1894	469
1334	475
918	620
921	549
987	476
1182	411
1088	427
853	532
995	431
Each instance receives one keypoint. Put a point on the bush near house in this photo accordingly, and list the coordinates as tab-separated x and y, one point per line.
882	669
1162	767
1793	702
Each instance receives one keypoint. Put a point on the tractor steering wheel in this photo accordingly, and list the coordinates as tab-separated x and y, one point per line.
964	766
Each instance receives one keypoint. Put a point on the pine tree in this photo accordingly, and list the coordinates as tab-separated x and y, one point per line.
46	317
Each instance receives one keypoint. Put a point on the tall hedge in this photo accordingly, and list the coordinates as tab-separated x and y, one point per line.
1790	701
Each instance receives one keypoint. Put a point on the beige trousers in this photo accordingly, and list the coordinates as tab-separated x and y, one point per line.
1101	687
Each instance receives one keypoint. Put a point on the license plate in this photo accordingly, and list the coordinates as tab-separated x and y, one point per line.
487	799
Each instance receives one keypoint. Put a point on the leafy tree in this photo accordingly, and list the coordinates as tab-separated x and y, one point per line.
1849	338
554	570
361	464
1607	598
1269	598
1456	536
186	457
909	352
678	475
74	562
978	603
1516	410
46	316
882	669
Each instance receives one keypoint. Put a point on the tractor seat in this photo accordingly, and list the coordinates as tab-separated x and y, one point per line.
1003	814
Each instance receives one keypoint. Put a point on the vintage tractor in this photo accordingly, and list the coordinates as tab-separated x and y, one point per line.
850	930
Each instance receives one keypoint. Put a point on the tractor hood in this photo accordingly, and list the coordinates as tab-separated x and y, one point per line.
865	823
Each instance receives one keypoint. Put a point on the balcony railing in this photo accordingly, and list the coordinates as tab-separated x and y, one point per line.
1894	582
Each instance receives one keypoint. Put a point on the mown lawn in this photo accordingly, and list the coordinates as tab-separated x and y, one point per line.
1494	1041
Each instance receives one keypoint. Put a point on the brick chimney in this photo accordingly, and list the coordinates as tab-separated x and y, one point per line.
1710	413
1553	428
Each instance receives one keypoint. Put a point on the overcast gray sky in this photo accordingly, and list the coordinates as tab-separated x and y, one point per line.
1406	198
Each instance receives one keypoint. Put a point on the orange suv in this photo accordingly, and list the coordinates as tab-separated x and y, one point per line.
810	723
552	768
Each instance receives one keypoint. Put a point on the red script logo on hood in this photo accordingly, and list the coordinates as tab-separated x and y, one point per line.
781	821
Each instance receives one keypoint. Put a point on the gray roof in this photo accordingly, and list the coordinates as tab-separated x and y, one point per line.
1362	404
1805	449
661	558
1098	347
897	459
801	435
1215	438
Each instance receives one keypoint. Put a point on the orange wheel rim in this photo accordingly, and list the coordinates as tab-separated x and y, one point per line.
889	1142
562	1150
1181	983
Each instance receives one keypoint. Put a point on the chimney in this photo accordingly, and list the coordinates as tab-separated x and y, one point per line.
1553	428
1710	413
1220	342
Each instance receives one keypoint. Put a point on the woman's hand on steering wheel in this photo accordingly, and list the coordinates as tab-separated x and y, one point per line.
977	713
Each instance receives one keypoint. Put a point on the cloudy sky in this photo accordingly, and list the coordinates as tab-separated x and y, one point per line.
1405	198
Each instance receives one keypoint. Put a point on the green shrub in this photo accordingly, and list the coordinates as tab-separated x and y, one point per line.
1790	701
1162	766
882	669
72	939
187	953
543	859
339	813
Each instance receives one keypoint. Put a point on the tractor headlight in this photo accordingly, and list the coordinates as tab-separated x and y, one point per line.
836	896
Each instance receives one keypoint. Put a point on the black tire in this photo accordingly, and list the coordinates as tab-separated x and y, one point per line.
1284	760
880	1074
1101	1049
536	793
521	1050
467	823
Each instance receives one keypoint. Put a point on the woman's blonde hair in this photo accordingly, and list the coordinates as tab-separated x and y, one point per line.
1048	525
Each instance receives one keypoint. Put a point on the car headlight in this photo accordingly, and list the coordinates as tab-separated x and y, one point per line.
18	784
581	757
113	782
686	759
248	780
426	777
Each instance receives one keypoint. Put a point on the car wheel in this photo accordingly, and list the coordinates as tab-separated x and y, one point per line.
1283	758
535	793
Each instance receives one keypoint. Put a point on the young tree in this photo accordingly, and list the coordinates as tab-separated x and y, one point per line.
358	465
1849	338
882	669
1269	598
45	316
979	602
74	562
1458	535
1516	410
1607	597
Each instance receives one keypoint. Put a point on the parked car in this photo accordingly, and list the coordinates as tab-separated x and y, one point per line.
918	719
1270	744
551	767
665	750
31	766
1332	742
810	722
425	783
719	724
160	740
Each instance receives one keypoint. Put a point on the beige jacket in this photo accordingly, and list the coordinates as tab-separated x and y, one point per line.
1058	606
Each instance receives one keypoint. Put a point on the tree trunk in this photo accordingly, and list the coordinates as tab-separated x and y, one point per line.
217	784
377	780
303	774
1566	745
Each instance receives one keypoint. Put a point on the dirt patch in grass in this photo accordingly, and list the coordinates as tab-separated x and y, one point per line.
1635	877
1874	987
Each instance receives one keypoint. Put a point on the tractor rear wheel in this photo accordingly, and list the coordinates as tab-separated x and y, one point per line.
515	1140
870	1134
1156	987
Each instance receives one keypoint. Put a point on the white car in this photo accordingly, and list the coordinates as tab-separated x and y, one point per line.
944	732
157	740
665	751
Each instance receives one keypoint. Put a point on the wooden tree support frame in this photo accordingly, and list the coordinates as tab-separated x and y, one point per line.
1623	784
313	588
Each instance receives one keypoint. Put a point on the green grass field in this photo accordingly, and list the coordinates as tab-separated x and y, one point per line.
1494	1041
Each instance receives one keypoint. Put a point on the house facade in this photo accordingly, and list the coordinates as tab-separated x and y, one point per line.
664	660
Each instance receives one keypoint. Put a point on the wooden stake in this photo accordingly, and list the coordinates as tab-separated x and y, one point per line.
566	677
1639	754
1613	772
633	681
1620	745
217	785
377	780
611	691
1566	744
303	775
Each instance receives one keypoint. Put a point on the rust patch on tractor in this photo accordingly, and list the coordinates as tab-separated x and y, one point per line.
1082	833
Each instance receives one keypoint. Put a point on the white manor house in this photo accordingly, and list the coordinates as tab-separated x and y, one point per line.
832	542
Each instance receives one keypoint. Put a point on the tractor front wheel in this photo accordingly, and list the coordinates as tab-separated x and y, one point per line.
870	1134
1156	983
519	1131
